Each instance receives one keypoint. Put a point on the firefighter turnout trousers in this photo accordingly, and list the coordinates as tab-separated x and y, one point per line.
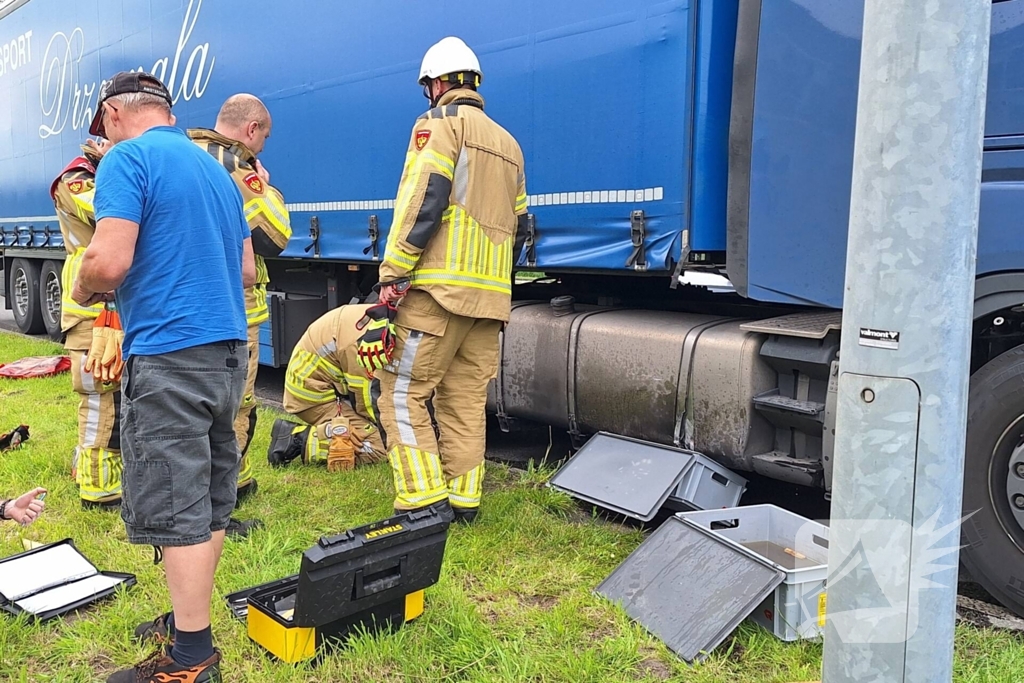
447	359
97	461
245	421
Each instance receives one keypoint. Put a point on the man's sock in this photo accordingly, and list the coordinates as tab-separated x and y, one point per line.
192	647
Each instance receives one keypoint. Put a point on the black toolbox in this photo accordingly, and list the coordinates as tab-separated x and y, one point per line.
370	578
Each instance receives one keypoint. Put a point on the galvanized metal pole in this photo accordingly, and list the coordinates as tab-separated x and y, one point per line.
906	339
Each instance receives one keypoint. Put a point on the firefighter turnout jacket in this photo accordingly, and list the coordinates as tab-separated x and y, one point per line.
72	193
324	366
459	216
264	210
96	465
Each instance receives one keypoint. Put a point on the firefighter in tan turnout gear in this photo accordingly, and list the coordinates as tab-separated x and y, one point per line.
326	388
242	128
459	225
97	460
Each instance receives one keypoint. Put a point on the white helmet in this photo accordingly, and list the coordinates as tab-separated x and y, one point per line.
449	56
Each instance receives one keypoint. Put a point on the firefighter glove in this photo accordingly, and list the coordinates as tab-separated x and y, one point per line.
104	361
377	344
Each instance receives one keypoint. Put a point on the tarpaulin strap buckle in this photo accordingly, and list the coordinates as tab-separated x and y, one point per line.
637	233
314	234
374	232
531	240
46	236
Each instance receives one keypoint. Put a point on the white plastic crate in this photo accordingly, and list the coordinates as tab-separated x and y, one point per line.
796	609
708	486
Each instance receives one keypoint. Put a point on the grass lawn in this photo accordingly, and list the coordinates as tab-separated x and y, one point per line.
514	603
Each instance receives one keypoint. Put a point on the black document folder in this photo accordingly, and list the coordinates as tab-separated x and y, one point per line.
53	580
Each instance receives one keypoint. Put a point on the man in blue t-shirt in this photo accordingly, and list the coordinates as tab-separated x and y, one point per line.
172	241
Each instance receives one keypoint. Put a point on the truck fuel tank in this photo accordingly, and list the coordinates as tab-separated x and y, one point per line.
674	378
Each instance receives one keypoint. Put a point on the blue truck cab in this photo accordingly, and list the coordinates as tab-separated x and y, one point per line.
688	170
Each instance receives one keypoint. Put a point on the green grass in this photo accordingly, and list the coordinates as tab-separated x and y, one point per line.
515	601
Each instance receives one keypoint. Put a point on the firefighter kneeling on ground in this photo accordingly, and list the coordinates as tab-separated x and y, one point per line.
327	389
97	460
446	287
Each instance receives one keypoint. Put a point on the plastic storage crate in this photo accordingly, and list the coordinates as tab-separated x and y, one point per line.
707	486
796	609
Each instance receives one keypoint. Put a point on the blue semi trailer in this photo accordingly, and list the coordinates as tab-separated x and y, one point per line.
688	171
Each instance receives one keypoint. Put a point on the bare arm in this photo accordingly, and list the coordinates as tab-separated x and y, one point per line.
248	264
107	259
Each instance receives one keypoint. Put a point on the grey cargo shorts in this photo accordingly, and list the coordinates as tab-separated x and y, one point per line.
178	442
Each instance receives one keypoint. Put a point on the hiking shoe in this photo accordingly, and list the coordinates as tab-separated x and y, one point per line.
160	668
246	490
112	503
160	630
287	442
238	529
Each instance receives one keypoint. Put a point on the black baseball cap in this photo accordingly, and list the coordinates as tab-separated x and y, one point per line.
122	83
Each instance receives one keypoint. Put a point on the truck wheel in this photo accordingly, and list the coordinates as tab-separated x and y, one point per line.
24	294
49	299
994	479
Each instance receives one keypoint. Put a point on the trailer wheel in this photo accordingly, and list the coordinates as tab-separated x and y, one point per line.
994	479
49	299
24	294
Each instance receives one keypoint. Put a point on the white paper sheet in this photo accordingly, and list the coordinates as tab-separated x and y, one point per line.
67	595
27	575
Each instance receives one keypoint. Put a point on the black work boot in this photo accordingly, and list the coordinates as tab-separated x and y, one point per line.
465	515
110	503
238	529
442	508
161	668
246	490
287	442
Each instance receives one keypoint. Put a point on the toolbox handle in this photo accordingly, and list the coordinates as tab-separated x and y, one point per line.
328	541
377	582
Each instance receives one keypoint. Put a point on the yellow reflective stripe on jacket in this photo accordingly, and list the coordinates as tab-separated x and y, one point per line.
68	275
256	310
415	163
271	209
446	165
332	370
84	206
301	367
521	203
401	258
439	276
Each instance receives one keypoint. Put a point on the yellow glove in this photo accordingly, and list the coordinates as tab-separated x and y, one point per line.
104	360
99	343
112	363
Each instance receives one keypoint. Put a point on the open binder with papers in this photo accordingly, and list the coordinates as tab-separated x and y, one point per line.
53	580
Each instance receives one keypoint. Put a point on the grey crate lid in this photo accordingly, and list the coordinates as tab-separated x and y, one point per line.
627	476
689	588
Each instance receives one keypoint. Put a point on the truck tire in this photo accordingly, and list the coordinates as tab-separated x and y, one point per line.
24	295
994	535
49	298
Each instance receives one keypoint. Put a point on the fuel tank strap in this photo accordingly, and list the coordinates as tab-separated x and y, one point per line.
574	333
682	435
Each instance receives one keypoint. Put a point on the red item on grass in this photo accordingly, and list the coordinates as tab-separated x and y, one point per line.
36	366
